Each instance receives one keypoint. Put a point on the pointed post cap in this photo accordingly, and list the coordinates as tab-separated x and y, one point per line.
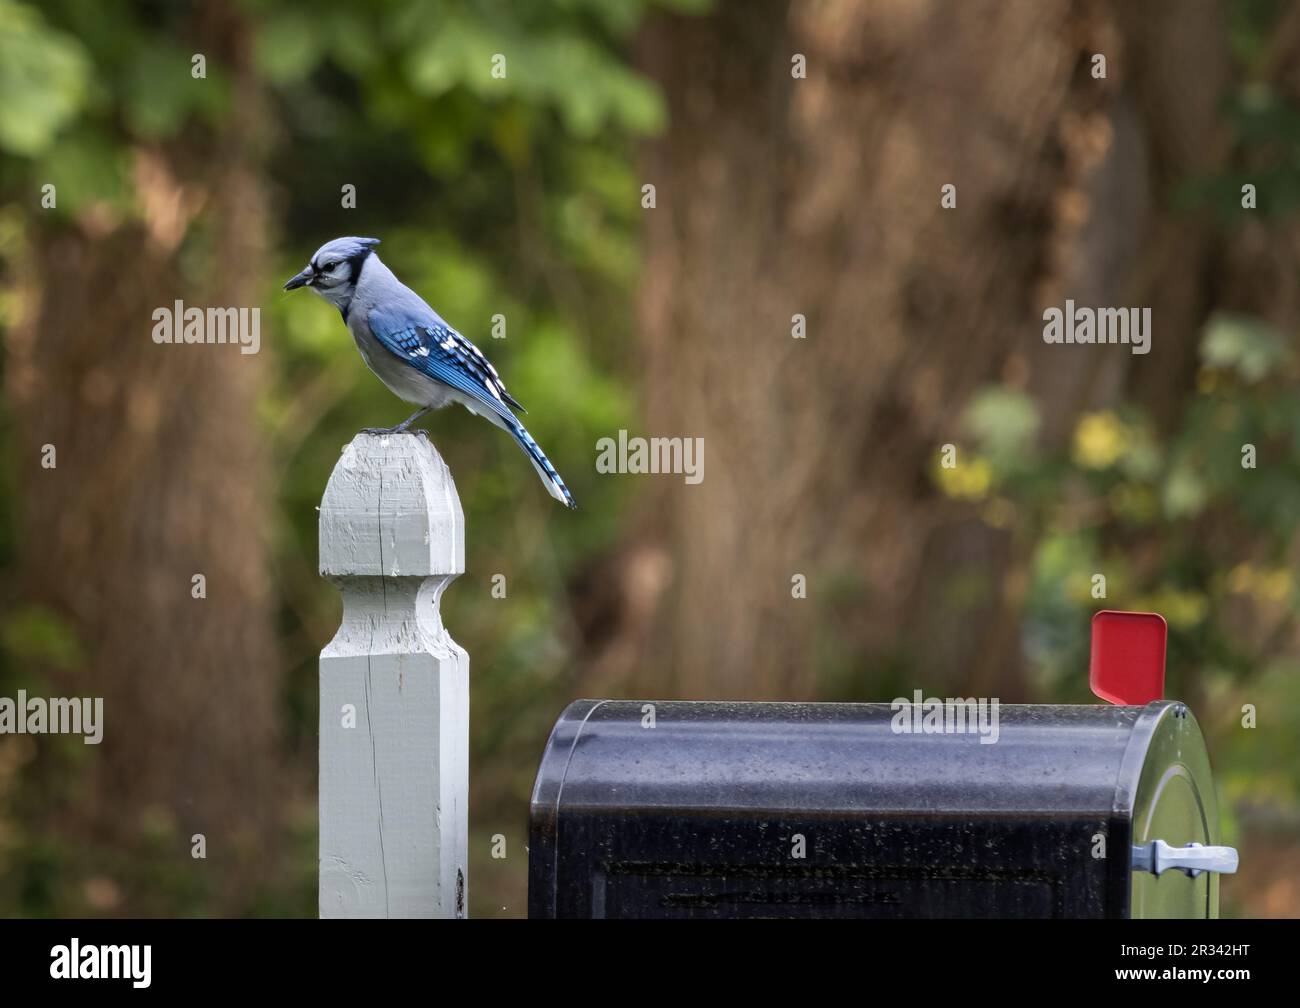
391	510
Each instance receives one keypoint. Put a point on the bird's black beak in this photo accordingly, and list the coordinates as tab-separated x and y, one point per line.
300	280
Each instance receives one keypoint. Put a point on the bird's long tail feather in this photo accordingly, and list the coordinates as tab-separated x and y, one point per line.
550	478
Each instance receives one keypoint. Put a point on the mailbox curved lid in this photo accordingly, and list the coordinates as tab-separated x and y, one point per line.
1166	791
1104	760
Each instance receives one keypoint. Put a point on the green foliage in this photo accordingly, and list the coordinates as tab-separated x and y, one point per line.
1251	25
1244	345
494	195
36	635
558	59
1258	764
1180	525
159	94
43	78
1005	423
1264	126
508	197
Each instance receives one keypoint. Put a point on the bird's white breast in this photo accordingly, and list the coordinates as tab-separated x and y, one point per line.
402	379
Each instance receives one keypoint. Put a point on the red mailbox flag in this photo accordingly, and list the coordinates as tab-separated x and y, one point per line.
1128	657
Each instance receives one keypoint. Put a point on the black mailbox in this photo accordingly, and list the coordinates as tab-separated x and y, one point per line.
687	809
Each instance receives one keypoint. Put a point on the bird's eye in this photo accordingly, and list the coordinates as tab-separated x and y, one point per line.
330	265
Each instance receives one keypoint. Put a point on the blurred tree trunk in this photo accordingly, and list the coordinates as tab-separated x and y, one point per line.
780	196
161	475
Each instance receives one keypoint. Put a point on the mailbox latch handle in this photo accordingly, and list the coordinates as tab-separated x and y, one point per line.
1157	856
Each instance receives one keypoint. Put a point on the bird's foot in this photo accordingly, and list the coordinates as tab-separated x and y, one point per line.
400	428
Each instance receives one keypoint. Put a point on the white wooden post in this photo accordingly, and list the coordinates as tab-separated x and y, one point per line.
394	687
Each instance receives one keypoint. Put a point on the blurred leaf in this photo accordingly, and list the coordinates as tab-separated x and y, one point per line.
161	91
1260	114
33	634
1005	422
43	79
1242	344
288	46
1185	493
87	168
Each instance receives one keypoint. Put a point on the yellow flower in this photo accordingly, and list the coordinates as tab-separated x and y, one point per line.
1275	586
1182	610
1240	579
966	480
1099	440
1264	585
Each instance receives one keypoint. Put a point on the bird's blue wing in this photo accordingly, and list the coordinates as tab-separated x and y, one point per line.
439	352
424	341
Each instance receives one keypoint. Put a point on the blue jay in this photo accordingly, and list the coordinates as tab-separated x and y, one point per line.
412	350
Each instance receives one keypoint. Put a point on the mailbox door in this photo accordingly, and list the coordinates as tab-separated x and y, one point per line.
1173	801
